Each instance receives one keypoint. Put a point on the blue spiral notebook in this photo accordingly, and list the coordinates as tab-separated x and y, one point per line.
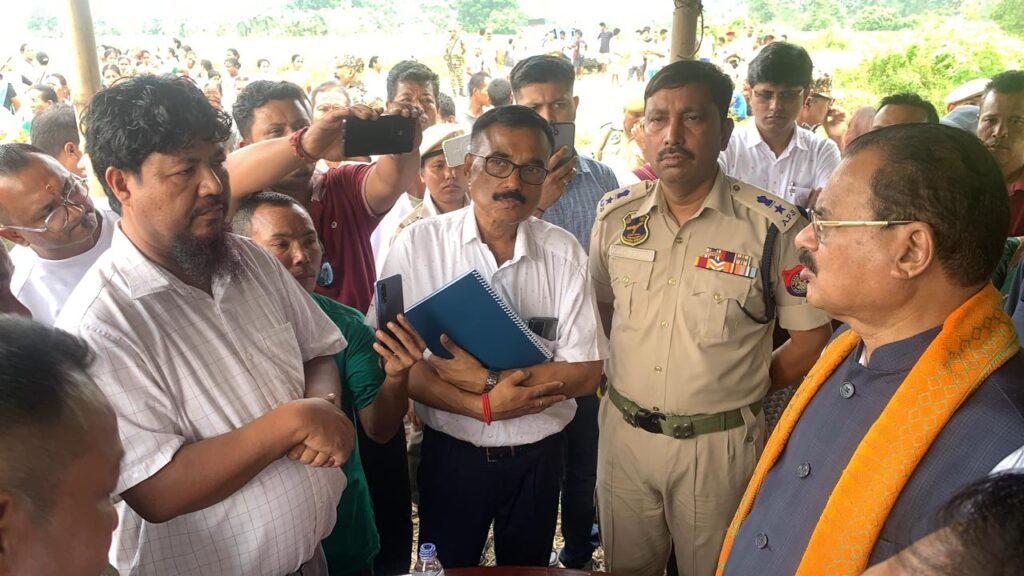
469	311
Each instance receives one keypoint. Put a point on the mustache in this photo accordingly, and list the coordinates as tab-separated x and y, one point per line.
674	150
808	261
510	195
220	202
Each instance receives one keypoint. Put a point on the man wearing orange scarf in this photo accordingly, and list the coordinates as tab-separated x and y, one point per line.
923	393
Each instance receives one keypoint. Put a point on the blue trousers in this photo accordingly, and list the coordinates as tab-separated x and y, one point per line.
463	489
579	529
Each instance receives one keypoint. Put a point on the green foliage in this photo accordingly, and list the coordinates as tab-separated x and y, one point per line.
930	68
762	11
43	22
820	14
502	16
153	27
880	18
1009	14
314	4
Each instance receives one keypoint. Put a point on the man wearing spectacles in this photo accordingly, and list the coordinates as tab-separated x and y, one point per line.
920	395
46	211
690	300
772	152
502	464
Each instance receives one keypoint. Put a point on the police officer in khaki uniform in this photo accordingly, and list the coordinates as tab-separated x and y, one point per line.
690	295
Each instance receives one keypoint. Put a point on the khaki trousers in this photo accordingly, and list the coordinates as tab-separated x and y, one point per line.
654	491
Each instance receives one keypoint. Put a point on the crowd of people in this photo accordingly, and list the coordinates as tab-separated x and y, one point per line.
192	380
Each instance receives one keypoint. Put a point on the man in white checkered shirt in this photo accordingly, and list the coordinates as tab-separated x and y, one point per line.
215	360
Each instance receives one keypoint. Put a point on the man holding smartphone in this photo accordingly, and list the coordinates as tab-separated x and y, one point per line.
569	200
278	151
346	203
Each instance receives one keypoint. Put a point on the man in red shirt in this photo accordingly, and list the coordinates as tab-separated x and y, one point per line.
1001	128
346	203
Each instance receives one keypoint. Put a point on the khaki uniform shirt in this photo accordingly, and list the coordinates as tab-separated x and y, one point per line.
680	342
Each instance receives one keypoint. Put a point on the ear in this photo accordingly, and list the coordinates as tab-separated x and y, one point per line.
243	143
727	127
915	251
72	150
467	165
117	181
13	236
576	103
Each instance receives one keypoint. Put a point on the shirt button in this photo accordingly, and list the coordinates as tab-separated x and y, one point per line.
761	540
664	324
803	470
679	240
671	281
717	297
625	280
334	224
248	355
847	390
749	439
657	369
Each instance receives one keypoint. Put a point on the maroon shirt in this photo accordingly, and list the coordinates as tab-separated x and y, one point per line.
1016	191
344	222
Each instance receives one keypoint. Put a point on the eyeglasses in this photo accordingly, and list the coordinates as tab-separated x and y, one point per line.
819	226
502	168
72	196
786	96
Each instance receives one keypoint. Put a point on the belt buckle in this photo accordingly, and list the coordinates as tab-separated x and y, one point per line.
649	421
683	431
493	454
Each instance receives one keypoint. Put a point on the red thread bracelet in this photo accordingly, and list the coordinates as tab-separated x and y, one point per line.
486	399
296	144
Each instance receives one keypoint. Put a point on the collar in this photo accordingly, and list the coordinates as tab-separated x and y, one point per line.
430	207
525	246
799	138
899	356
142	276
1017	185
584	164
718	199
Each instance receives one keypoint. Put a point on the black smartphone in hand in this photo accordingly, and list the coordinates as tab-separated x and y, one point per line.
385	135
390	301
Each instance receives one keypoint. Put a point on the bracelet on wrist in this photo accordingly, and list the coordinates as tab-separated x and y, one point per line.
485	399
296	143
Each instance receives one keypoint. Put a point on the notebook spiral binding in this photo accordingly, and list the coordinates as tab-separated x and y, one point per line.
512	315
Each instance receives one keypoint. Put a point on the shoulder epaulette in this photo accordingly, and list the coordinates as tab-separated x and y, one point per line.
616	198
776	210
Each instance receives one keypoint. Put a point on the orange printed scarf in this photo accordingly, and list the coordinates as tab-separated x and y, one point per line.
975	340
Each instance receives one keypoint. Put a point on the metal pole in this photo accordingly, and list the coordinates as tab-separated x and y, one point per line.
83	42
684	29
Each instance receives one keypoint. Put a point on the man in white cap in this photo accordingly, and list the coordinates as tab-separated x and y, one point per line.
446	187
967	93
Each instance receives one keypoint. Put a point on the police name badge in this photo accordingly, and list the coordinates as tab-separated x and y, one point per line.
795	284
634	229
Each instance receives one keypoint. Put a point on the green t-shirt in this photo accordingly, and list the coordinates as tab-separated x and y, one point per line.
354	543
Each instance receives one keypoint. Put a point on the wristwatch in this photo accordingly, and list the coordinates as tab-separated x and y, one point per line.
492	381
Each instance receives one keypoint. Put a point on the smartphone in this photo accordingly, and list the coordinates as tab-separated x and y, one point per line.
546	328
390	301
385	135
565	135
455	150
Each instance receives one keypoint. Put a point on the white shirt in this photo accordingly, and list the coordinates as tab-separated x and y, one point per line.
44	285
806	163
380	239
546	277
180	366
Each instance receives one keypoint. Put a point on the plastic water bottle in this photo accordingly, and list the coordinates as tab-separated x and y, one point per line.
428	564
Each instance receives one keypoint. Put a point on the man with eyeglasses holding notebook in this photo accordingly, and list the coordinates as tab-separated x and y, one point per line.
492	447
46	211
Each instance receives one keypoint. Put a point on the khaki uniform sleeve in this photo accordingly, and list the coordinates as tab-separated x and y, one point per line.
793	310
599	264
